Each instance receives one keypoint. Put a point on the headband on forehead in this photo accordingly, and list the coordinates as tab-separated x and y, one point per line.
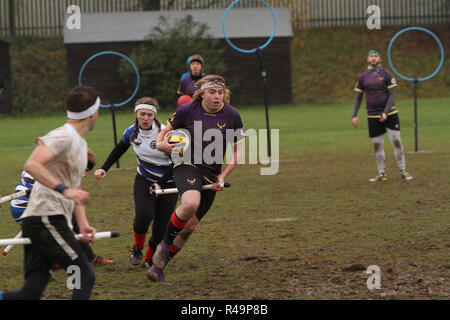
146	107
374	52
86	113
196	60
214	84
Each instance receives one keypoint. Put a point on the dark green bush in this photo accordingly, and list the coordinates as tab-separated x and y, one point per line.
161	60
39	75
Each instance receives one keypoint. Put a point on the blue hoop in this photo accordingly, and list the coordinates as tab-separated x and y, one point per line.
120	55
261	47
416	79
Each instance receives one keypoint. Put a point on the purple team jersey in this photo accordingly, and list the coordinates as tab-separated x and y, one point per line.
187	85
375	85
191	116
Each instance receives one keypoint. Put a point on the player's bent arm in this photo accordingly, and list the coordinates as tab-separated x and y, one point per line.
35	165
231	164
82	221
115	155
162	144
162	133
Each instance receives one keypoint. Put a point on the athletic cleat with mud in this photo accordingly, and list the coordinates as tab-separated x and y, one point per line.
136	256
379	177
146	264
160	256
155	274
407	176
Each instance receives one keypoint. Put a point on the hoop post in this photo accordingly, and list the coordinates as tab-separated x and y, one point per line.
416	128
266	103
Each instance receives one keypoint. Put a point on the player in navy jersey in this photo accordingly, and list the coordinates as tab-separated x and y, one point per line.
187	84
379	86
19	205
154	168
210	109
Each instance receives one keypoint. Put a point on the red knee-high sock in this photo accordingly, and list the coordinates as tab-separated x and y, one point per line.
139	239
174	227
172	252
149	254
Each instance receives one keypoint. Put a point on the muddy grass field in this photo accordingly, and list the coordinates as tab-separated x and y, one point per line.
308	232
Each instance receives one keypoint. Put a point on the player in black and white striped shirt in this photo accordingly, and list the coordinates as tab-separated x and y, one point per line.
154	168
19	205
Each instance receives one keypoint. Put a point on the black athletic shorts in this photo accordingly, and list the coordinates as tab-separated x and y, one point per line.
187	178
377	128
52	242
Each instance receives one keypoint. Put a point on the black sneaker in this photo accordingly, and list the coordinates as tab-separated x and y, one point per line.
136	256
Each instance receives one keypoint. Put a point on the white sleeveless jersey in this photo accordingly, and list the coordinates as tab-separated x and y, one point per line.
152	163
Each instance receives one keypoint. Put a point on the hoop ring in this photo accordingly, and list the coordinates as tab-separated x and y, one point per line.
416	79
138	78
255	49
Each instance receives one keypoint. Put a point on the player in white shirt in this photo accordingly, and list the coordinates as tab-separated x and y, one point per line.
58	163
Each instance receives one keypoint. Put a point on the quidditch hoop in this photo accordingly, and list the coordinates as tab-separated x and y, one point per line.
138	77
255	49
416	79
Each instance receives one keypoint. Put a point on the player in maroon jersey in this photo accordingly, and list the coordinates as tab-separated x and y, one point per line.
209	112
379	86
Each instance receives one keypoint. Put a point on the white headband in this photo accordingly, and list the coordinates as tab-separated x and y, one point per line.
146	107
86	113
211	85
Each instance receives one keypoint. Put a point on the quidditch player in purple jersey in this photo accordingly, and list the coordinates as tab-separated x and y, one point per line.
379	86
187	84
210	111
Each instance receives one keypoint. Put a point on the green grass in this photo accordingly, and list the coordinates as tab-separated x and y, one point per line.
308	232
